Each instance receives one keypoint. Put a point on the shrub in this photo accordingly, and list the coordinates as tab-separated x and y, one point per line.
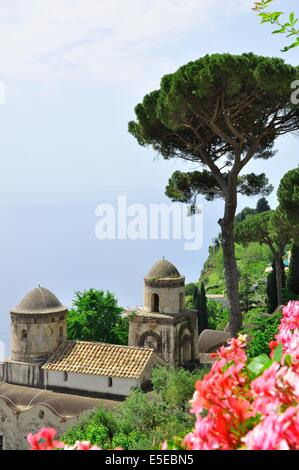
260	330
218	316
143	420
96	316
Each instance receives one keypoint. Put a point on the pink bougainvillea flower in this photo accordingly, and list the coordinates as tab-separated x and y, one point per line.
44	440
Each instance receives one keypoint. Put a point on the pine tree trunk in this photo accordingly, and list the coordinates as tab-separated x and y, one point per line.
279	279
230	263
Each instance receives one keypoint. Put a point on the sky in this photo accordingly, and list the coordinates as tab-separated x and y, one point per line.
73	71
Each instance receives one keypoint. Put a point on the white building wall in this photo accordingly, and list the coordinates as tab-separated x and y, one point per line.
91	383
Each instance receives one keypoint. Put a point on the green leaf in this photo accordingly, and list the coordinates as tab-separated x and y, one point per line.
278	353
259	364
292	18
227	366
275	16
288	360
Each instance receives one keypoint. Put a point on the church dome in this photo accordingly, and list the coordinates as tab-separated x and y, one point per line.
163	269
39	300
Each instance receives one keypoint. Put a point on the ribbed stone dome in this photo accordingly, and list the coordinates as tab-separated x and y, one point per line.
163	269
39	300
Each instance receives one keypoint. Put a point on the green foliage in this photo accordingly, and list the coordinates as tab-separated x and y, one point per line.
260	363
189	288
96	316
272	296
178	120
184	187
262	206
252	260
271	228
260	329
176	386
246	292
293	277
244	213
97	428
143	420
288	27
272	300
288	195
218	316
200	304
126	441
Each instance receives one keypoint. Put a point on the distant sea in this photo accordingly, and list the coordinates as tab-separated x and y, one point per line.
52	242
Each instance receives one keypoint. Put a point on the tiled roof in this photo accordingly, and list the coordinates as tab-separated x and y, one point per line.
100	359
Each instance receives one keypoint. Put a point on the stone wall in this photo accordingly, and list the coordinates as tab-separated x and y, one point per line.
20	373
34	338
171	299
15	425
167	334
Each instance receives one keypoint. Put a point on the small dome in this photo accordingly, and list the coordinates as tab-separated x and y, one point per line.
39	300
163	269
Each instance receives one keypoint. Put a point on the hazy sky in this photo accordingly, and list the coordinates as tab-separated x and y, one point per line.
74	70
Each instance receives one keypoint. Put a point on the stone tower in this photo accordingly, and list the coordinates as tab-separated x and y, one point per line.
163	323
38	326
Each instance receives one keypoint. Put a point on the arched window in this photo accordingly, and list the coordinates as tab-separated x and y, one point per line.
186	350
110	383
61	332
181	301
65	376
24	334
155	303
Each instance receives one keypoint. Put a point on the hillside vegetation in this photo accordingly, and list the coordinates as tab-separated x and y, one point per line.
252	261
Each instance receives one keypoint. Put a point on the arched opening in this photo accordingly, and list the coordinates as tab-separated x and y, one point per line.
155	303
61	332
24	335
181	301
186	349
65	376
151	343
150	339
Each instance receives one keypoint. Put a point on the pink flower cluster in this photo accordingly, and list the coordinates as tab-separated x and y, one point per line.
236	411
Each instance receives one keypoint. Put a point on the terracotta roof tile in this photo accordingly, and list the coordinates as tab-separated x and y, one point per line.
100	359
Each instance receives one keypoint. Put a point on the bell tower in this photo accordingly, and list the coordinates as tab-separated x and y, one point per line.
38	326
163	323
